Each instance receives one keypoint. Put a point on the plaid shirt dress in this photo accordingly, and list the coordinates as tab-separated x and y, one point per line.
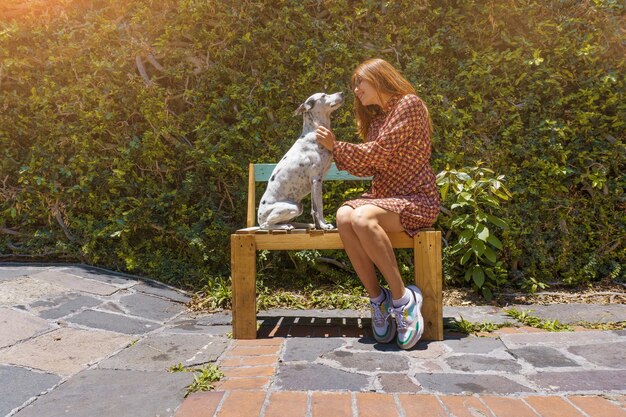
396	154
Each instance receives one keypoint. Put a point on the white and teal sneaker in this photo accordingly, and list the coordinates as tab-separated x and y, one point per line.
382	323
409	319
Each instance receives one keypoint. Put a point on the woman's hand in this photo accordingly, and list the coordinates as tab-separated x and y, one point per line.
325	137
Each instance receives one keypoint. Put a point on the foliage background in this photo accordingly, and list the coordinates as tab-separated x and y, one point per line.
126	126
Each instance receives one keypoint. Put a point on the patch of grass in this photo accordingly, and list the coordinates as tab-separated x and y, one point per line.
177	368
619	325
202	379
292	291
533	321
468	327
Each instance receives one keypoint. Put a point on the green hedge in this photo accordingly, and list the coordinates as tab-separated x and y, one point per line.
126	126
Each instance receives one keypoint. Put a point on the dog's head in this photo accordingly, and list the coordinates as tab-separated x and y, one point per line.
321	103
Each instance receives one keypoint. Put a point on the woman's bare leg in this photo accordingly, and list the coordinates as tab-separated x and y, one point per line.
361	262
367	244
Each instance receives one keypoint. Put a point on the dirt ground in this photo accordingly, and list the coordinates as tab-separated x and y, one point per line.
598	294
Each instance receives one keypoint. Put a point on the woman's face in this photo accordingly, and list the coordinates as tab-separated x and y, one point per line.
366	93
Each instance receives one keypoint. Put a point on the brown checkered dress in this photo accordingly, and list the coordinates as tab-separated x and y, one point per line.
396	154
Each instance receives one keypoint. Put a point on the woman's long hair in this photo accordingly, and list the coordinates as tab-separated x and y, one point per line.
385	79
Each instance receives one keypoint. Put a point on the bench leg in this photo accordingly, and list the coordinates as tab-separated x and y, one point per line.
243	271
427	256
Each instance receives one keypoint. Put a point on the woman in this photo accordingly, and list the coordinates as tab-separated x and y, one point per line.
396	129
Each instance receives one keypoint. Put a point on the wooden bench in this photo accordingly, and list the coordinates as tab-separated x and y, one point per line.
246	242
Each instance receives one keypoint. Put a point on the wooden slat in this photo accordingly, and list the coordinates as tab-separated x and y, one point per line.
428	274
323	240
262	173
249	230
251	215
243	271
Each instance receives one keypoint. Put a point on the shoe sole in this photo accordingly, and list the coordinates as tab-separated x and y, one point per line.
390	336
420	319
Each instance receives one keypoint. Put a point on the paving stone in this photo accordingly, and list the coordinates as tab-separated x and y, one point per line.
126	395
574	313
112	307
9	273
611	355
369	362
25	290
477	314
309	349
467	384
393	383
472	363
543	357
64	351
209	331
18	385
113	322
427	350
621	333
117	279
473	344
587	381
210	324
335	404
151	308
159	352
305	377
558	339
162	290
16	325
370	344
75	283
200	404
62	306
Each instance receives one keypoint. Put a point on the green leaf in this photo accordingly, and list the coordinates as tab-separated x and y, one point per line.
487	294
494	241
490	255
468	275
483	232
444	190
497	221
478	246
478	276
466	256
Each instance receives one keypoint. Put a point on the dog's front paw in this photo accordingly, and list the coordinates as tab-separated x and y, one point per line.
327	226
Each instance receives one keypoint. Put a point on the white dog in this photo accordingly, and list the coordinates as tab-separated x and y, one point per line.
301	170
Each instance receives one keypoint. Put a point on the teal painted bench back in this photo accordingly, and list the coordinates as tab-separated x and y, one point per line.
262	172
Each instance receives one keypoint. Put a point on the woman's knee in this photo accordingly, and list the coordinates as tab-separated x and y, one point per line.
362	219
344	217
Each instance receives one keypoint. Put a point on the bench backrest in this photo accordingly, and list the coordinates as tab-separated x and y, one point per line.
262	173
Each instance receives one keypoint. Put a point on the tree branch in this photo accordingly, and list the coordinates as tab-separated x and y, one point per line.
142	70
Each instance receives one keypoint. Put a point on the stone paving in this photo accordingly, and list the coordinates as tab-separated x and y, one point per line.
79	341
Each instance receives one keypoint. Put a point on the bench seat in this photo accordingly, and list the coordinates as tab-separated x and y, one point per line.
245	243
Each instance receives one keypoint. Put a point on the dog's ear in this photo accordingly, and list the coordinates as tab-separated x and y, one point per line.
306	106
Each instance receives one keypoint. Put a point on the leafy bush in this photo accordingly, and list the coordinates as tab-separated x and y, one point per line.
474	195
126	127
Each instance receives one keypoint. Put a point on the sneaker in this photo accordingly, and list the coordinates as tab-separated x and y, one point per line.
382	322
409	319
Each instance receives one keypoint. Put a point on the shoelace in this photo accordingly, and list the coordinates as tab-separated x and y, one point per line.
377	315
398	314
